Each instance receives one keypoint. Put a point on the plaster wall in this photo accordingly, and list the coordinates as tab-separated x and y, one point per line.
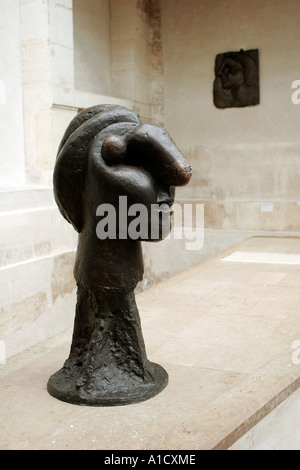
245	160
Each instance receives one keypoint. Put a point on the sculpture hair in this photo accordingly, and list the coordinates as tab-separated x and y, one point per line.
245	59
72	157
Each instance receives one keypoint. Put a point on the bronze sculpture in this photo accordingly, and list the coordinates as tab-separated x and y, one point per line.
106	154
236	81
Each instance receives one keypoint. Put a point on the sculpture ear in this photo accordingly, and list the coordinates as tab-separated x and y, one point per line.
72	159
114	149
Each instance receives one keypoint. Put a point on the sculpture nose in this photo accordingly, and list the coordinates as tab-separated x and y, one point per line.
152	148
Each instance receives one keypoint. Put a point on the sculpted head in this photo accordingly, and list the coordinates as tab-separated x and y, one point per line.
107	157
236	79
108	153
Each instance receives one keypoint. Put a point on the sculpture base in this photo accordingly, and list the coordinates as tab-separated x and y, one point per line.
63	385
107	364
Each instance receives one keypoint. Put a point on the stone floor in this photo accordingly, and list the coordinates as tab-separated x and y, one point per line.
226	332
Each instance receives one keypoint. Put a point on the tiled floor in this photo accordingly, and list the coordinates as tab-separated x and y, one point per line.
225	332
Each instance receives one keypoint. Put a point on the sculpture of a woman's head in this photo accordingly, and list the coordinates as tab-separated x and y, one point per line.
109	159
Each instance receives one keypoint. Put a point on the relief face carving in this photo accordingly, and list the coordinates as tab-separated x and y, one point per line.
108	155
236	81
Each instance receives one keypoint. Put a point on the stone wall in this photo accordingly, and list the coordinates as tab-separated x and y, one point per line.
60	56
246	160
156	57
37	293
12	165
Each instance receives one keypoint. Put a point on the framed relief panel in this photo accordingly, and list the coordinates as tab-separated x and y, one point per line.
236	82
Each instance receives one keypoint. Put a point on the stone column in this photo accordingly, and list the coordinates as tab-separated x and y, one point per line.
48	76
12	169
129	50
36	247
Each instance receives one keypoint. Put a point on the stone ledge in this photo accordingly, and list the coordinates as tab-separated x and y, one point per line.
22	198
33	294
225	332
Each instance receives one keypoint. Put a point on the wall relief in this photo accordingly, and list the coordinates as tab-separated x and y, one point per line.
236	81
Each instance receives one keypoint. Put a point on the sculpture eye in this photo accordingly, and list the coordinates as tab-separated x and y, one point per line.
114	149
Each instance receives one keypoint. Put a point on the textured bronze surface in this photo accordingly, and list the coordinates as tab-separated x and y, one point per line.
236	81
107	152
